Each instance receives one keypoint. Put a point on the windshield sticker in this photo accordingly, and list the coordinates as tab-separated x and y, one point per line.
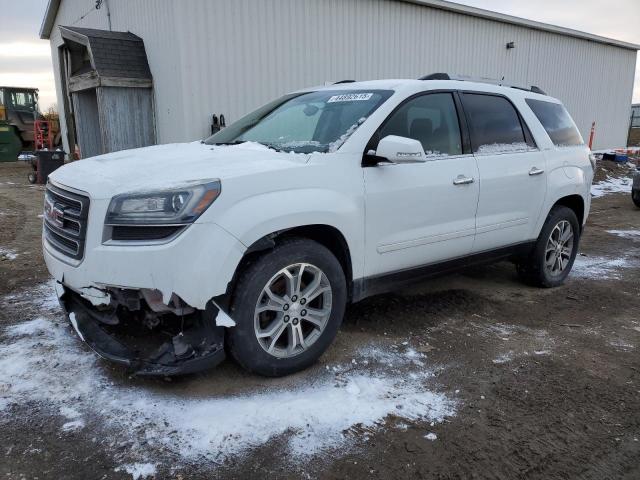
351	97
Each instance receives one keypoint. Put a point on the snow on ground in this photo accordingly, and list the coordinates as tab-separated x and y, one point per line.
41	360
611	185
138	470
7	254
601	268
633	234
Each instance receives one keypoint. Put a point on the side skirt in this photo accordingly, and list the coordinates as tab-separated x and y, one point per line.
388	282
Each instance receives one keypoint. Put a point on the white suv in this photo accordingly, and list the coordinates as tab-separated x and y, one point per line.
253	241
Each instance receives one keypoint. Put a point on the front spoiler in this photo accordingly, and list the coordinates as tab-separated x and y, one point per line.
204	341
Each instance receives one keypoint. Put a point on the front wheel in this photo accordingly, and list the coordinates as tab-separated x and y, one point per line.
635	196
288	306
551	260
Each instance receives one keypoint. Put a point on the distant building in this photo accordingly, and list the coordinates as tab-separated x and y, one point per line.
634	126
135	72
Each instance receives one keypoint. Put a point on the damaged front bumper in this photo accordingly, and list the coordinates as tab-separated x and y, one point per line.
146	343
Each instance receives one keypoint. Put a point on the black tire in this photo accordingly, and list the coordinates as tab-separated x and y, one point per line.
242	341
32	178
635	196
532	268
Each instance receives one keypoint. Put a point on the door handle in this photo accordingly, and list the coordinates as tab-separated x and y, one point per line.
462	180
535	171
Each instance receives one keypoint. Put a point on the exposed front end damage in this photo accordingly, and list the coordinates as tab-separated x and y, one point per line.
135	329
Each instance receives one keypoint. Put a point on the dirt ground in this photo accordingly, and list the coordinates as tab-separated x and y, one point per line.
545	383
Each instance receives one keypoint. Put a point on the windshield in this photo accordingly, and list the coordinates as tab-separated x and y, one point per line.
304	123
21	100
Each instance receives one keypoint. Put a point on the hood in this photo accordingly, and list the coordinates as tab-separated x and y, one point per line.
164	166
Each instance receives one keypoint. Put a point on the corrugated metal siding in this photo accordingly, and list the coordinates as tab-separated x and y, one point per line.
220	56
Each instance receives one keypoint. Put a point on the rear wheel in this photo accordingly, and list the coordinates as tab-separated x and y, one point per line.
635	195
551	260
288	306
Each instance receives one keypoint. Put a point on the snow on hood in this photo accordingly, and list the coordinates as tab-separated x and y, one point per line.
163	166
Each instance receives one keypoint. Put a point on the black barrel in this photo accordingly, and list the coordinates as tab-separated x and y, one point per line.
47	162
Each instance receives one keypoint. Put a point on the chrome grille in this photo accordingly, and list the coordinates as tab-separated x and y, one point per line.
65	221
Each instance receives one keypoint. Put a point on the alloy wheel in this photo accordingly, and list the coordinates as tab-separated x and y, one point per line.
559	248
293	310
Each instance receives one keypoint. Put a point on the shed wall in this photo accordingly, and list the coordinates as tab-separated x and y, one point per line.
219	56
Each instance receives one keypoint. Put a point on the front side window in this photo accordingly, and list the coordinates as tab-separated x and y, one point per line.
304	123
432	120
557	122
494	124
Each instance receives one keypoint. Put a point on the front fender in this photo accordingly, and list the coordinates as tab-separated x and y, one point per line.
257	216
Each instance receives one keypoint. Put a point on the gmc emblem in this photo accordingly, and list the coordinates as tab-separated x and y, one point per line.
54	213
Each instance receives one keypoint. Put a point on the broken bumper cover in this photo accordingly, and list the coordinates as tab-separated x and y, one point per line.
199	347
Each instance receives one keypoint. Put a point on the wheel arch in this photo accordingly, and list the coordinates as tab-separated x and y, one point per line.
574	202
327	235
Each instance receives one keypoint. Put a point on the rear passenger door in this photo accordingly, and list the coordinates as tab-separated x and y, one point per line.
512	172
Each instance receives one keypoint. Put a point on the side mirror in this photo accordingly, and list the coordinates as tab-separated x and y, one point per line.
397	149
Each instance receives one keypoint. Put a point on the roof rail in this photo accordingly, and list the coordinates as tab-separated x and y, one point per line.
446	76
344	81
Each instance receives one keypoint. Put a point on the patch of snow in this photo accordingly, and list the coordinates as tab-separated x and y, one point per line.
504	358
334	146
611	185
622	345
138	471
542	352
634	234
42	298
42	360
601	268
73	426
496	148
8	254
431	436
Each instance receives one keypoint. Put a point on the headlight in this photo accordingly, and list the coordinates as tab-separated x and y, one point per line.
178	206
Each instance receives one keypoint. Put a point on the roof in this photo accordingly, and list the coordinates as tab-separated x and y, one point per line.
411	85
113	54
53	5
26	89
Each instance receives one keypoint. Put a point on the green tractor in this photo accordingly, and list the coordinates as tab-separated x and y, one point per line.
22	126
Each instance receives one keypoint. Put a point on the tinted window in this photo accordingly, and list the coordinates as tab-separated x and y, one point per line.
494	123
556	121
431	119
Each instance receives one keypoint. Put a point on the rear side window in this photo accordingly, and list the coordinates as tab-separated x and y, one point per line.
495	125
557	122
431	119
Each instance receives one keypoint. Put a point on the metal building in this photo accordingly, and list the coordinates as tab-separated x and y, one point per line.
209	57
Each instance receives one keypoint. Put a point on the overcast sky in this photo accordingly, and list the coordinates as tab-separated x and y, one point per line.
26	61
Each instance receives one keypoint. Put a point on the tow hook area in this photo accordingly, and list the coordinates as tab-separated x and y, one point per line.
131	332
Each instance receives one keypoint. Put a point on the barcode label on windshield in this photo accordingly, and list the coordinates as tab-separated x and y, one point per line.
351	97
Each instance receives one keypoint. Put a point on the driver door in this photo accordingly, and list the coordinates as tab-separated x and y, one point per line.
421	213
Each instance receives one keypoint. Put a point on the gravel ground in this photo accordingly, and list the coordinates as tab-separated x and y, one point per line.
468	376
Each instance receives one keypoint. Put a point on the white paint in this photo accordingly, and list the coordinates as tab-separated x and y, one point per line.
42	361
258	185
138	471
224	320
